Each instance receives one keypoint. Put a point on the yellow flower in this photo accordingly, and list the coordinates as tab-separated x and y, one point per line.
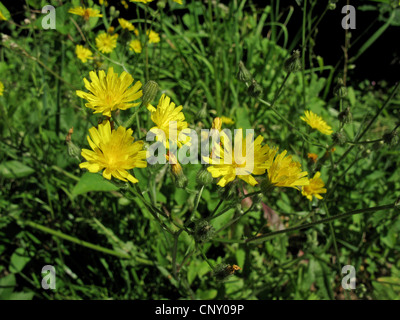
255	160
114	151
226	120
106	42
166	113
2	17
83	53
316	122
105	2
142	1
178	1
85	13
217	124
1	88
154	37
315	187
126	24
109	93
136	46
285	172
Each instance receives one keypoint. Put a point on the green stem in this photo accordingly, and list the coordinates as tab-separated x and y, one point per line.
86	244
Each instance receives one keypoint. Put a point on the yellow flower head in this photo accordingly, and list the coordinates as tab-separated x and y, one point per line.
226	120
164	116
285	172
110	92
178	1
315	187
136	46
86	13
316	122
253	158
106	42
114	151
126	24
154	37
83	53
1	88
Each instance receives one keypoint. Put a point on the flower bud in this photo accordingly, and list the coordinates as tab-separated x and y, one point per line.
150	91
181	181
73	150
204	177
293	63
340	89
255	90
243	74
345	116
203	231
339	138
391	138
223	271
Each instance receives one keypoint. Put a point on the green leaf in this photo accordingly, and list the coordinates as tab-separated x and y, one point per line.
21	296
7	285
18	260
4	11
14	169
92	182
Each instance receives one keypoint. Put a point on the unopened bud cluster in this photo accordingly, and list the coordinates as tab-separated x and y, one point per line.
203	231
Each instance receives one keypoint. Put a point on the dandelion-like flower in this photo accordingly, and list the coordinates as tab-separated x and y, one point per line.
106	42
316	122
125	24
1	88
135	45
165	113
285	172
315	187
154	37
114	151
110	92
254	160
86	13
83	53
